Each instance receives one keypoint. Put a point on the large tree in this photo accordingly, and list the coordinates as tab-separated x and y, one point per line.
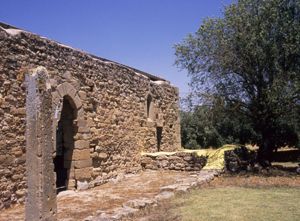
250	60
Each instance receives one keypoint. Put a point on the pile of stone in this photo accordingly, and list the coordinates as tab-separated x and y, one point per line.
239	159
180	161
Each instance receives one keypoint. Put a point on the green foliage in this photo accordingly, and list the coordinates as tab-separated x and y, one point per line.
197	130
209	126
249	61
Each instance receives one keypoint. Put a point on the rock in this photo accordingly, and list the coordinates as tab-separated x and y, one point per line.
183	188
20	193
169	187
82	185
1	205
139	203
164	195
15	177
82	144
103	155
122	212
239	159
94	155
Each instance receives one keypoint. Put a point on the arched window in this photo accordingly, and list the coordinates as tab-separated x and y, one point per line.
149	106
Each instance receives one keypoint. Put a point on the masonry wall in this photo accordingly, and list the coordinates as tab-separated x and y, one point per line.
116	126
181	161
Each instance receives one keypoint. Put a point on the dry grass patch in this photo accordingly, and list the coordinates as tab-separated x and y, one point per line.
240	204
233	198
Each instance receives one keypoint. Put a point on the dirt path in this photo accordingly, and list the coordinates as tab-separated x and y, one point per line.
119	198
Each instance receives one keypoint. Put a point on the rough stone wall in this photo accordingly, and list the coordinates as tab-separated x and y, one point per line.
239	159
115	126
180	161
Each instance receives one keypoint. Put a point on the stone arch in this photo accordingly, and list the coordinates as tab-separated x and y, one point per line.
77	161
65	132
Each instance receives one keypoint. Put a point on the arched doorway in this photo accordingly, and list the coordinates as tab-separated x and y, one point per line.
64	144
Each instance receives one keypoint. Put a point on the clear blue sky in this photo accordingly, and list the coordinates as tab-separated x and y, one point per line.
137	33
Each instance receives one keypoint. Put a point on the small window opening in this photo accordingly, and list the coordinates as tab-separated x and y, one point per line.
149	106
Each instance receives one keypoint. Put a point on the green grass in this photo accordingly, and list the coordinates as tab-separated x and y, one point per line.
240	204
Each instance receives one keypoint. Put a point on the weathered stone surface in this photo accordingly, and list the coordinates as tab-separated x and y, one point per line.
181	161
82	144
82	163
83	173
139	203
80	154
102	155
41	199
82	185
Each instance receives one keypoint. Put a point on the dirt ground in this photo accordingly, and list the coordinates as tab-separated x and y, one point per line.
116	195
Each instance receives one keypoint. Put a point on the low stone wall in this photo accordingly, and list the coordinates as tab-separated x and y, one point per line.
182	161
239	159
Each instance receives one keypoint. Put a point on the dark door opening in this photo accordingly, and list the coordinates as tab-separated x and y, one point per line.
159	137
64	145
61	172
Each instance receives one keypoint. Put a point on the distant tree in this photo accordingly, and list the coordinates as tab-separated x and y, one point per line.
250	60
198	130
212	126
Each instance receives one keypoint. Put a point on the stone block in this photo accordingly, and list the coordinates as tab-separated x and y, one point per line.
70	90
77	101
80	113
84	185
82	163
18	111
82	144
83	129
83	173
102	155
71	183
20	193
61	90
71	173
56	98
82	95
81	154
81	122
94	155
188	158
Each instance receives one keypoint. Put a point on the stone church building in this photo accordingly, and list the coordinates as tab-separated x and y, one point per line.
102	115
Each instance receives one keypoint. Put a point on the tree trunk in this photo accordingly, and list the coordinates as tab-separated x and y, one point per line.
265	152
